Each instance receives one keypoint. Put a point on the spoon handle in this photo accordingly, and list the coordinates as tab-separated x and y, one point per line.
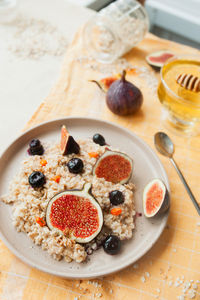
186	186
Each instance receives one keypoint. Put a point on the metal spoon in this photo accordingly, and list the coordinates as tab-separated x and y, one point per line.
165	146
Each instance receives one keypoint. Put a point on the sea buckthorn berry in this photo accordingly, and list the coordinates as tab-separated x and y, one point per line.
43	162
40	221
116	211
56	178
93	154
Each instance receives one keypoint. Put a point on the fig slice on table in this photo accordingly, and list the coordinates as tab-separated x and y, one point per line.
105	83
156	198
157	59
67	144
76	214
114	166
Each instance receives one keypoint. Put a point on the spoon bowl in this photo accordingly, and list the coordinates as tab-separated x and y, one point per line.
164	144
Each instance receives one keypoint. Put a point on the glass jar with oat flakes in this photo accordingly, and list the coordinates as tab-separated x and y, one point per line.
115	30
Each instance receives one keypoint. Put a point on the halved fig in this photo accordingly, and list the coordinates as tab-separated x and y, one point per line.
76	214
67	144
106	82
155	198
157	59
114	166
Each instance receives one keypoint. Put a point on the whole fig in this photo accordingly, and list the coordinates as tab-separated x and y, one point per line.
123	97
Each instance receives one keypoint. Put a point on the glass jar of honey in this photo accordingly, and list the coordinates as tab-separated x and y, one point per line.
179	93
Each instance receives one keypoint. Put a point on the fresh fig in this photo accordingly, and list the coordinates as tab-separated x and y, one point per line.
123	98
67	144
114	166
155	198
75	213
158	59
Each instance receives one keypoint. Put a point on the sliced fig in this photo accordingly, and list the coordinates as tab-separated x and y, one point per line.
75	213
106	82
155	198
67	144
114	166
158	59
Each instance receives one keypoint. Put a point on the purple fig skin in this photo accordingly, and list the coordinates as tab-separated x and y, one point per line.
71	146
124	98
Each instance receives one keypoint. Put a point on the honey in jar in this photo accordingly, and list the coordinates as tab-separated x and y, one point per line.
181	105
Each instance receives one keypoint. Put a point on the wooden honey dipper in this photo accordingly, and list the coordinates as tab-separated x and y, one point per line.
189	82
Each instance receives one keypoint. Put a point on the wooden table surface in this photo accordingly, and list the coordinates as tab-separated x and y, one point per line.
172	266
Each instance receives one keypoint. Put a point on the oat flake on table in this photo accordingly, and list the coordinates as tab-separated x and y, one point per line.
34	38
120	64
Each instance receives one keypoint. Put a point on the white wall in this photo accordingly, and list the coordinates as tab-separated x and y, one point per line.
179	16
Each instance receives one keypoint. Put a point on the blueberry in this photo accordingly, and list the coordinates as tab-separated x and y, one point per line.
35	147
35	143
37	179
112	244
38	151
116	197
75	165
99	139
